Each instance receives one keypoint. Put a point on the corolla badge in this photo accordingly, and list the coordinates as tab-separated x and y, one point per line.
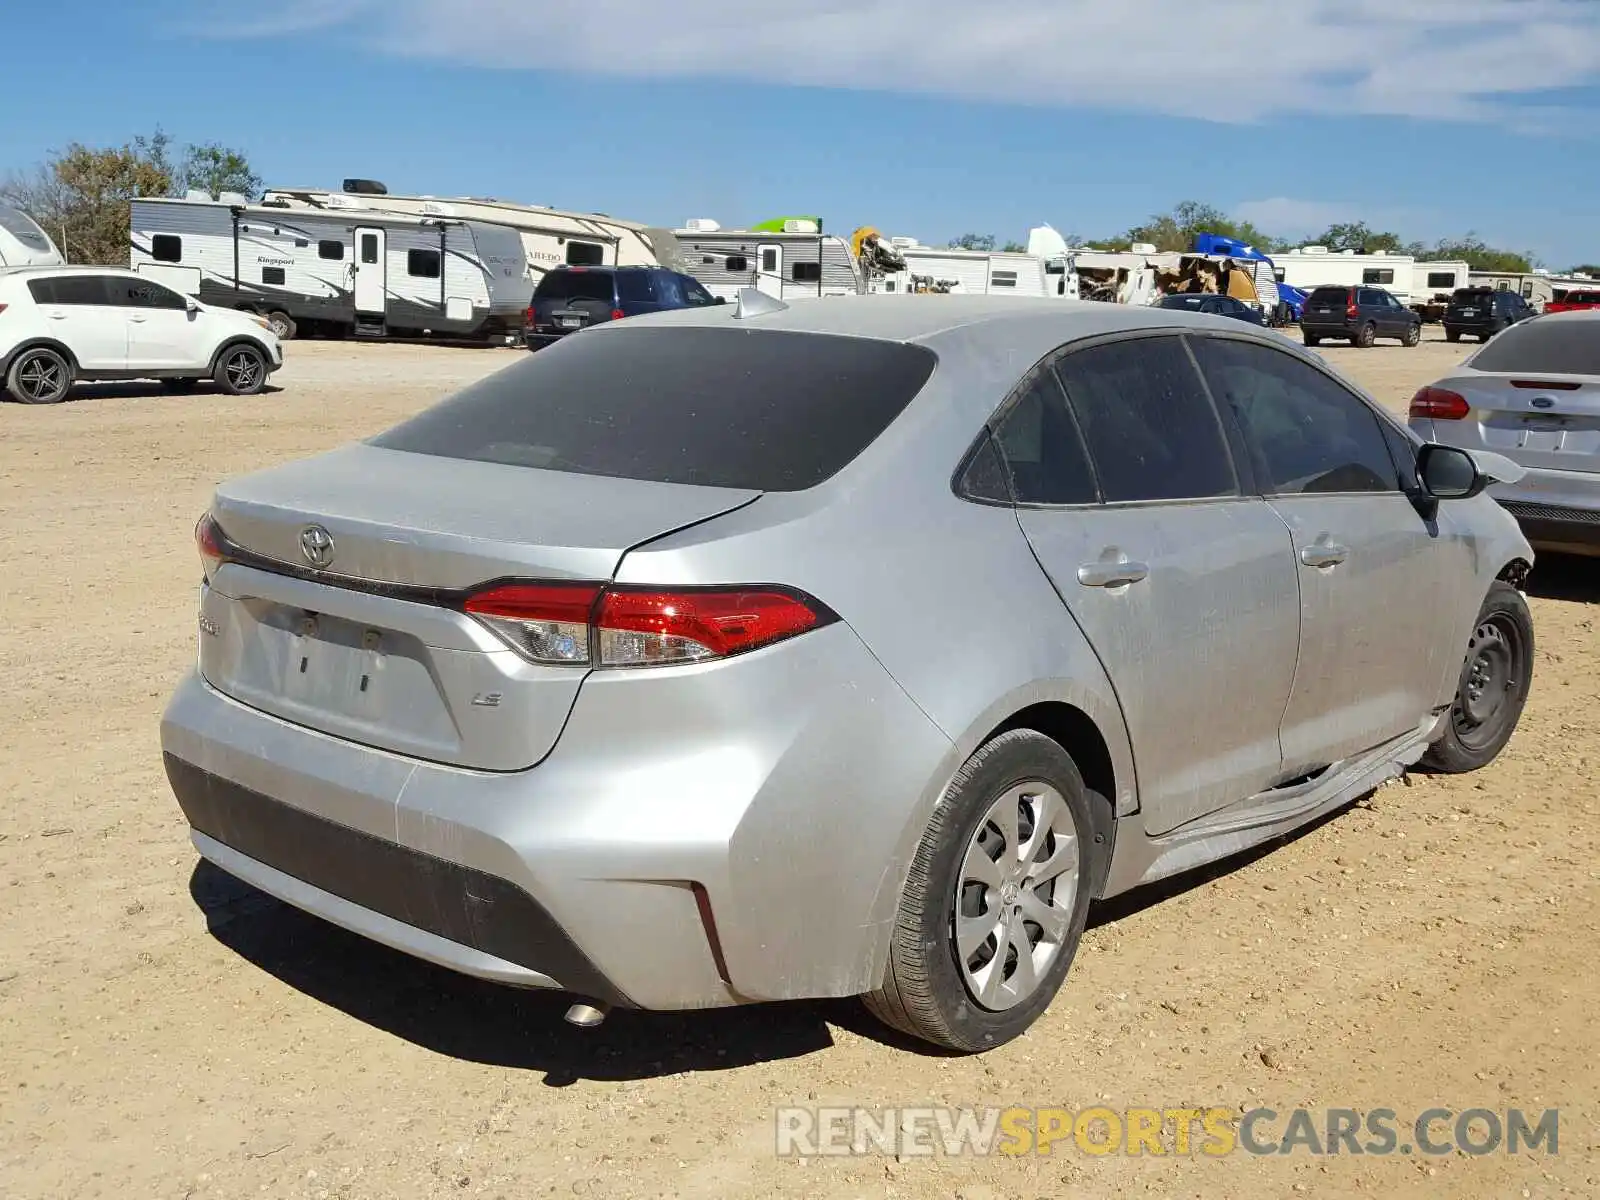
316	543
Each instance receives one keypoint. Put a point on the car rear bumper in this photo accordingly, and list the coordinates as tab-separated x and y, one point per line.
1557	510
535	340
711	836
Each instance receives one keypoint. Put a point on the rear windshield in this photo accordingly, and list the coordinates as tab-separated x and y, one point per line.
1544	346
1183	301
1325	295
1472	296
575	285
737	408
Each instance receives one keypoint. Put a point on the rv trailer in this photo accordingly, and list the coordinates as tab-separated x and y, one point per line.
789	259
365	272
23	243
964	272
1316	266
550	237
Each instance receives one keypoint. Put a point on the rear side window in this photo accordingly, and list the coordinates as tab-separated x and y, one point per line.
585	254
71	289
638	285
575	285
806	272
1544	345
760	409
1042	454
142	293
423	264
1441	279
1377	275
331	250
1311	434
1330	295
166	247
1149	426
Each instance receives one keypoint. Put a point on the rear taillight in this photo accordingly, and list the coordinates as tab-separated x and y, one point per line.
530	318
208	537
1350	309
1439	404
617	314
544	622
1546	385
590	624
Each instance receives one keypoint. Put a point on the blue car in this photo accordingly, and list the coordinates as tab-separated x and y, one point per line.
572	298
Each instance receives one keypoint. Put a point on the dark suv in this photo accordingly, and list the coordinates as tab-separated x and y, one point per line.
1360	314
1483	312
573	298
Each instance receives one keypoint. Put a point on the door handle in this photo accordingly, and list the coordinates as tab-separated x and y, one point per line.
1324	554
138	320
1112	574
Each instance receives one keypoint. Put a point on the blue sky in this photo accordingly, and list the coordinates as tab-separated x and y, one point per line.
927	118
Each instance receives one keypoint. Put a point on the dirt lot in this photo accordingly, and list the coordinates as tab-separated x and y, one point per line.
167	1032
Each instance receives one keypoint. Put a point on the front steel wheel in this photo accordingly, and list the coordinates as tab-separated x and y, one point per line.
1493	686
995	900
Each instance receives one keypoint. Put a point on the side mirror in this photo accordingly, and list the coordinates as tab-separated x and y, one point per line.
1449	473
190	304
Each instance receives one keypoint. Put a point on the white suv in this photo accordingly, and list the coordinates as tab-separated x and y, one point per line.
63	324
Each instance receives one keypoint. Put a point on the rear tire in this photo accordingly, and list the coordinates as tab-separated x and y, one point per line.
1452	335
1365	336
40	376
1311	339
241	370
1493	687
282	325
987	925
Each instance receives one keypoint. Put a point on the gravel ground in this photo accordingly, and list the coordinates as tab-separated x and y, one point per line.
168	1032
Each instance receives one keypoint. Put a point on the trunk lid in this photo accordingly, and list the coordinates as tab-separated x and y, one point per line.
1537	419
368	642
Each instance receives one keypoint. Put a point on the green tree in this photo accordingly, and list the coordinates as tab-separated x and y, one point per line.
1014	248
973	241
1472	250
215	169
82	195
1585	269
1176	230
1355	235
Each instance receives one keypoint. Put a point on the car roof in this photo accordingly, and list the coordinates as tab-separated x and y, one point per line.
66	269
1000	331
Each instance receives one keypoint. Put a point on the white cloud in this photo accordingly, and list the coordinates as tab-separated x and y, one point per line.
1228	60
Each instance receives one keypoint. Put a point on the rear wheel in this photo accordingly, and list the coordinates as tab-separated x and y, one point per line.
282	325
1493	686
996	899
1366	335
40	376
241	370
1311	339
1452	335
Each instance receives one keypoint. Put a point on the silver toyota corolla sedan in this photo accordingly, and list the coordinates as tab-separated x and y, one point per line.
1533	395
844	649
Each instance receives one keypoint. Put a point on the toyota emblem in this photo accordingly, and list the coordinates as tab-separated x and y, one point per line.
316	543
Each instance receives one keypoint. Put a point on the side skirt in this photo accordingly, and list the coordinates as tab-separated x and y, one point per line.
1138	859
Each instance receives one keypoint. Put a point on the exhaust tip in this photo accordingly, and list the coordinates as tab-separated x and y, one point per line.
587	1016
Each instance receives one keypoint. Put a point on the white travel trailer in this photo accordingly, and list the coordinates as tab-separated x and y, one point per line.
1316	266
1433	283
792	261
550	237
964	272
367	273
23	243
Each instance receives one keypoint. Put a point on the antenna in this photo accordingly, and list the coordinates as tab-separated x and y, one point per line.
752	302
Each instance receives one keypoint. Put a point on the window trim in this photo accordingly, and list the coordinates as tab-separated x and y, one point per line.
1263	475
1234	441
